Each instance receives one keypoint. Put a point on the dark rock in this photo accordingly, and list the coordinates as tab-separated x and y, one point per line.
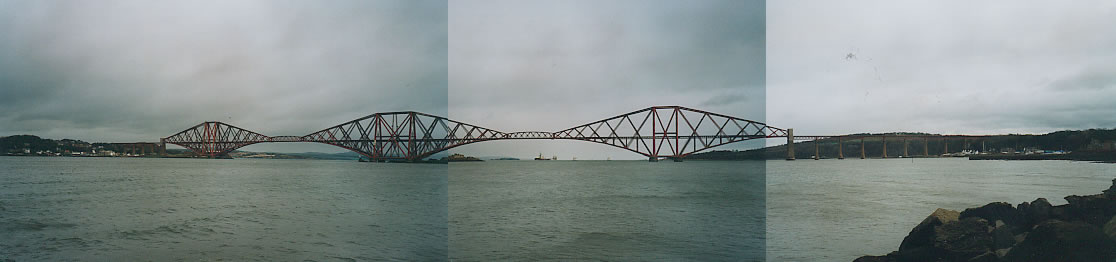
1055	240
1002	252
876	259
1060	213
1020	237
1111	191
922	236
1110	228
986	257
1035	212
996	211
1082	230
964	239
1092	209
1002	236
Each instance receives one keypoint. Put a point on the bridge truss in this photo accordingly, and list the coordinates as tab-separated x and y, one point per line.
655	132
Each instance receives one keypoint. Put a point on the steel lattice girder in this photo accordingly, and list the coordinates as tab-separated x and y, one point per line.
661	131
679	130
215	138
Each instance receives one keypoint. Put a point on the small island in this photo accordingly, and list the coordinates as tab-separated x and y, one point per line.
461	158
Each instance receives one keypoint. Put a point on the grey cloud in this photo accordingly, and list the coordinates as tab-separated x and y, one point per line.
727	99
1088	80
551	65
140	70
946	66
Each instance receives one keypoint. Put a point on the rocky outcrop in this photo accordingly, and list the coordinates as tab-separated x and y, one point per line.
1082	230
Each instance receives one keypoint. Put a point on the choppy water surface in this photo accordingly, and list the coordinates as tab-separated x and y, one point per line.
838	210
606	210
121	209
197	209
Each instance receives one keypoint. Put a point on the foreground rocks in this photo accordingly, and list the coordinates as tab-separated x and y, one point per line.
1082	230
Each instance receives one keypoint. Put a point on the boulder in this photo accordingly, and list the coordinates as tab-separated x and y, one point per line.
1002	236
1092	209
1110	228
962	240
996	211
1035	212
986	257
876	259
1002	252
1111	191
1056	240
922	235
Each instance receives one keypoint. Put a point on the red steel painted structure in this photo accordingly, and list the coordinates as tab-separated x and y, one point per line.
655	132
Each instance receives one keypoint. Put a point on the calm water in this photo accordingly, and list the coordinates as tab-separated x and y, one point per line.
607	210
838	210
120	209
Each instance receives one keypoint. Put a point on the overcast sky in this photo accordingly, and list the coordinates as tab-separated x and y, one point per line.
552	65
122	71
125	71
957	67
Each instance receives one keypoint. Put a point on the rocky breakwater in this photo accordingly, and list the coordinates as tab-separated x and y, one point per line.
1082	230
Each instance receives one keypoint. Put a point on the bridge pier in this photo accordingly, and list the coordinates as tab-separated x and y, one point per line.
790	144
905	148
945	143
676	159
653	159
817	153
840	147
862	155
926	147
883	140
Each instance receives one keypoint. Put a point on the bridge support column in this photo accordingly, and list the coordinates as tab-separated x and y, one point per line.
905	148
817	153
862	155
945	143
162	147
926	147
653	159
840	147
790	143
676	159
982	148
883	140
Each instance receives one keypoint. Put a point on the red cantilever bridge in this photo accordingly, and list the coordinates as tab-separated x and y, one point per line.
656	132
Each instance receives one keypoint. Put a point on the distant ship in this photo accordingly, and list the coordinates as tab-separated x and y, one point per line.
541	157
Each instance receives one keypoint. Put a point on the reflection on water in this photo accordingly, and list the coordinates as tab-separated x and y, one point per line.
838	210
